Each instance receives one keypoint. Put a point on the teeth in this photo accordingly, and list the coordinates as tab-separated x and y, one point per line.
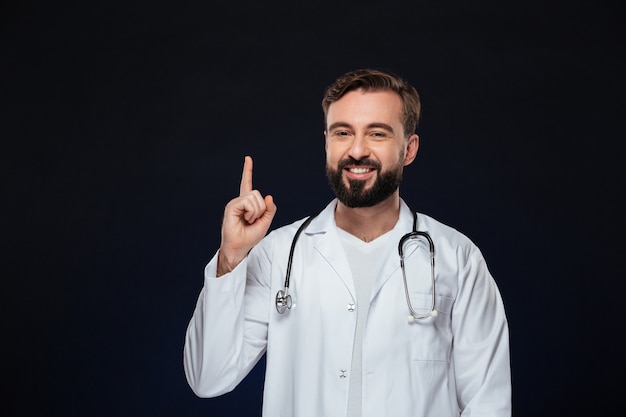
359	170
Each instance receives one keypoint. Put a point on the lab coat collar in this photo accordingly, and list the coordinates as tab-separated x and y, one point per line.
325	221
329	246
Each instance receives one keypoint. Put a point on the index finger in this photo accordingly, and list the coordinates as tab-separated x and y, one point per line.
246	176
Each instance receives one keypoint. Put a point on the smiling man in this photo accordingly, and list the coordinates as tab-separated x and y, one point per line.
327	298
366	143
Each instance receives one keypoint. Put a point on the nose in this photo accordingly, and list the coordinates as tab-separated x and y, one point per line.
359	148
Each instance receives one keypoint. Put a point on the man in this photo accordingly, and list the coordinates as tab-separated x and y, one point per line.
342	345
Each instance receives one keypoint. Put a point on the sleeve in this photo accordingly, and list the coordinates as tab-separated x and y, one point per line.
481	343
227	334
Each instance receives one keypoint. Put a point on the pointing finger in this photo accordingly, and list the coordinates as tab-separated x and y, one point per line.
246	177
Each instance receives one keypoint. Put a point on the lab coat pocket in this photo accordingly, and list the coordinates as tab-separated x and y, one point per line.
432	336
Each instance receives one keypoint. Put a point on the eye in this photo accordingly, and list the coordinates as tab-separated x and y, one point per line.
341	133
378	135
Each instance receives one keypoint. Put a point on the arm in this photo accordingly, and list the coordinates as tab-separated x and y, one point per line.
227	334
228	331
481	343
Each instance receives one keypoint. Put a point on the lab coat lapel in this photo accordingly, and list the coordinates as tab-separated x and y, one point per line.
391	262
329	245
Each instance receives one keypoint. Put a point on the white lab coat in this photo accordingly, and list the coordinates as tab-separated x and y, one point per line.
454	364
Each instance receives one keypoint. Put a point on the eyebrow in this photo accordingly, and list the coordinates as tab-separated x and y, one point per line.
369	126
381	126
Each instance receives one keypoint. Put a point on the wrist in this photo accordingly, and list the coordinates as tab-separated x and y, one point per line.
226	263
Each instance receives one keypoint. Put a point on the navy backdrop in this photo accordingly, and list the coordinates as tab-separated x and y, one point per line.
124	127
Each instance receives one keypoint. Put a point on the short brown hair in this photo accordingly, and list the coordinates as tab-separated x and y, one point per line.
370	79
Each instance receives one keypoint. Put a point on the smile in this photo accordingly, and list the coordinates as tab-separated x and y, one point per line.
356	170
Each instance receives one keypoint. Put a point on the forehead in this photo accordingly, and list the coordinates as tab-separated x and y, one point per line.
365	107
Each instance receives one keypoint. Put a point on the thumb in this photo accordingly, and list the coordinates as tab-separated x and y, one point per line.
270	207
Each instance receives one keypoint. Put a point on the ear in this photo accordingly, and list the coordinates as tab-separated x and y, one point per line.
410	152
325	141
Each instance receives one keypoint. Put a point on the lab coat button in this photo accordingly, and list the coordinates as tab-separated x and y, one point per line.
351	307
343	373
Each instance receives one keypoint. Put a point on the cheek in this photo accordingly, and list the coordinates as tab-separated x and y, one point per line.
328	156
391	156
333	153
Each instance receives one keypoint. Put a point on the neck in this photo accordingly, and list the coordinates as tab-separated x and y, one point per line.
368	223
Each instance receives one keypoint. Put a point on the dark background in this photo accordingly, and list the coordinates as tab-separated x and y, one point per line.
124	126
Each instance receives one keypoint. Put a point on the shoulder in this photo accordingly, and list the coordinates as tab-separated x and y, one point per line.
286	232
447	237
315	222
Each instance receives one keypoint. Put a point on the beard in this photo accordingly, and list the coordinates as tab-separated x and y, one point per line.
354	193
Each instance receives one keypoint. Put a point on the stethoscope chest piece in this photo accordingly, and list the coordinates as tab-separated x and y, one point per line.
283	301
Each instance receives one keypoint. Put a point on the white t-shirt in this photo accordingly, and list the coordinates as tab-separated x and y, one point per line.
365	259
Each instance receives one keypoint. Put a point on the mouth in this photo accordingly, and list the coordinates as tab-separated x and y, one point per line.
359	173
359	170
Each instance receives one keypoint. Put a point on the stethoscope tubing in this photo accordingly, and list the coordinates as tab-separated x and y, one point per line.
431	246
284	300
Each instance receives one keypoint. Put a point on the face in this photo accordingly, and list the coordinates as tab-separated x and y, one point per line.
366	148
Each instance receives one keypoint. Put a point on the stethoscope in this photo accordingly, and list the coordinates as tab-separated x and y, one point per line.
284	301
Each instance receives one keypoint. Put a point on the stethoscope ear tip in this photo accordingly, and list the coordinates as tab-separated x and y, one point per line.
433	313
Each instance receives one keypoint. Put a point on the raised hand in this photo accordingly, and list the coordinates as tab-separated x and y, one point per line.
247	219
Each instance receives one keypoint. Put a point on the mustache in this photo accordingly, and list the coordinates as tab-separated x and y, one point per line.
365	161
